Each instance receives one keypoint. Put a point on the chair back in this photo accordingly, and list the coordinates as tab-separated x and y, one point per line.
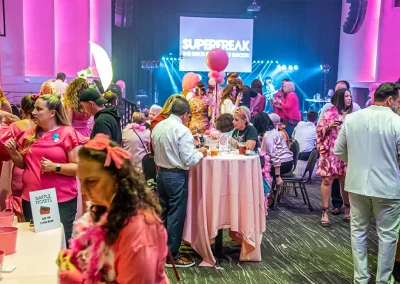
312	160
149	167
295	149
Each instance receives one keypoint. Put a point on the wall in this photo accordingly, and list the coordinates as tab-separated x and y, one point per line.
45	37
371	55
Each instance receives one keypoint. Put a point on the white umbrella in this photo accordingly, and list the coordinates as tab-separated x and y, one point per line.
103	64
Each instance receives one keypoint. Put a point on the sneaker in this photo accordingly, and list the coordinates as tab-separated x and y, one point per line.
181	262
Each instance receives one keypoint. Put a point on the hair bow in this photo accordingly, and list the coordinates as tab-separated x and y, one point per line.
101	142
35	97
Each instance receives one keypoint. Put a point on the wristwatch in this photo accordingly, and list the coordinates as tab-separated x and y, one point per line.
58	168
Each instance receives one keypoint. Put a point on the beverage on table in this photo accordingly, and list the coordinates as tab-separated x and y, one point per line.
214	152
242	148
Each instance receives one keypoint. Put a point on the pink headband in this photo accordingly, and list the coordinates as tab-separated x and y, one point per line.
102	142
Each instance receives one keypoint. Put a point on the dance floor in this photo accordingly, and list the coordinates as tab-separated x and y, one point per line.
295	249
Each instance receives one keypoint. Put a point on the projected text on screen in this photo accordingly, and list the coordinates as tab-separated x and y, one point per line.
200	35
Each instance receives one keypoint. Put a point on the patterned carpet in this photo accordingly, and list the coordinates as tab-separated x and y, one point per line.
295	249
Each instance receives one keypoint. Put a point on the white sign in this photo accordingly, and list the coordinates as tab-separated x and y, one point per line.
224	142
45	209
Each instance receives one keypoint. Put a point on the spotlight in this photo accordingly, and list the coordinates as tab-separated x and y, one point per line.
276	62
163	58
175	59
255	63
262	62
258	61
296	67
171	58
267	61
290	68
279	67
284	67
320	67
326	68
168	59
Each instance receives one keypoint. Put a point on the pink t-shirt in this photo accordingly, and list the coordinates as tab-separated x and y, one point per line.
141	251
56	151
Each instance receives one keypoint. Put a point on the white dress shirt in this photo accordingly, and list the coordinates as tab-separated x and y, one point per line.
60	87
228	107
327	106
369	142
173	145
306	134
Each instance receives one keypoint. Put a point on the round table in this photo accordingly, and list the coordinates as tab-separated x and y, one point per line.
226	191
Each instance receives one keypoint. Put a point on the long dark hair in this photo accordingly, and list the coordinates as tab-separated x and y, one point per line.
132	194
262	123
257	86
339	101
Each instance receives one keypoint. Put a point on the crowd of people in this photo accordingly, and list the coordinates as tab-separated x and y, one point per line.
70	137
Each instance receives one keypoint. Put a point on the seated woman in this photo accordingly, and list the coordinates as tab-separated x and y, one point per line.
136	138
274	146
276	120
121	238
224	123
244	131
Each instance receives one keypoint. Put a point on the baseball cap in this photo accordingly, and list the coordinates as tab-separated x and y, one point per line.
92	95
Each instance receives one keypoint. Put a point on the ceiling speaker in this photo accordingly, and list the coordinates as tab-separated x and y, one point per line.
356	16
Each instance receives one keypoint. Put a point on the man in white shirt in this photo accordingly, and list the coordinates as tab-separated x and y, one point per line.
174	153
369	142
305	133
60	84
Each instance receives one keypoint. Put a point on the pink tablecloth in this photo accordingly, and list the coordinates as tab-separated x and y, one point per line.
225	192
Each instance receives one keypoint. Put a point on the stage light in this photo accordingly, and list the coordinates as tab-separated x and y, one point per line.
284	67
163	58
167	58
262	62
290	68
276	62
258	61
320	67
171	58
267	61
254	62
279	67
296	67
176	59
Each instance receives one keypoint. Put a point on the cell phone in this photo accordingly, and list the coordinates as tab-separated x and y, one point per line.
339	122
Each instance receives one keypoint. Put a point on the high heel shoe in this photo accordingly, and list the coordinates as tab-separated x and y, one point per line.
325	217
347	217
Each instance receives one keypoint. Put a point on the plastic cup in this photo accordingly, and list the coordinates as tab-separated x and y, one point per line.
6	219
242	148
214	152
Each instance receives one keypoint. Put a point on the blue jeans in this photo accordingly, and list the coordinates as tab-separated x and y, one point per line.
172	190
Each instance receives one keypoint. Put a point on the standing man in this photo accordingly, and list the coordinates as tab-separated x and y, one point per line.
174	152
106	120
60	85
369	142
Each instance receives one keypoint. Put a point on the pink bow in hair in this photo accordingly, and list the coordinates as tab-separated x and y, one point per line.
102	142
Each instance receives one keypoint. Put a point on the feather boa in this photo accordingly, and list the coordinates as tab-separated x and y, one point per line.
92	255
267	176
138	127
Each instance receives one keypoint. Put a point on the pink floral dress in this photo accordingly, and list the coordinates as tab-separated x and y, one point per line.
199	106
329	164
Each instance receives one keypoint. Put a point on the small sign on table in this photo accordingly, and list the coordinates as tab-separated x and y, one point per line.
45	209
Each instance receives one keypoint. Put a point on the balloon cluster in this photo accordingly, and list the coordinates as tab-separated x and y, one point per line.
217	61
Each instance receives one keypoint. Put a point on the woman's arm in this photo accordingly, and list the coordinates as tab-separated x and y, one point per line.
16	157
68	112
251	144
67	169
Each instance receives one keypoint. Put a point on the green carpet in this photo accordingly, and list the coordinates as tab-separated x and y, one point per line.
295	249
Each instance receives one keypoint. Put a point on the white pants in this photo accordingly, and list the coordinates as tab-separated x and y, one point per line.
387	216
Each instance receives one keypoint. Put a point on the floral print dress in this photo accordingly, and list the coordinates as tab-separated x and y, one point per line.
329	164
199	106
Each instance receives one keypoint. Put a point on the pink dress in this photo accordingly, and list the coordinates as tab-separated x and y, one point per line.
329	164
53	146
80	121
291	109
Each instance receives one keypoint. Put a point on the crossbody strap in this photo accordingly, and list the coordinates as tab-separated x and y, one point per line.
145	148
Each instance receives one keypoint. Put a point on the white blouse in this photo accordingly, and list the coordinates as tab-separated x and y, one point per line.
228	107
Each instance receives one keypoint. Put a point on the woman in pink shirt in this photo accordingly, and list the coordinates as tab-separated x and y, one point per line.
120	239
48	155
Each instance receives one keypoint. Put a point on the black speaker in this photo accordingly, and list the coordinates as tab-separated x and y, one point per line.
124	13
356	16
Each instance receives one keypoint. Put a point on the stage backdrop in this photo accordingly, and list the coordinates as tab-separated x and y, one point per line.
300	32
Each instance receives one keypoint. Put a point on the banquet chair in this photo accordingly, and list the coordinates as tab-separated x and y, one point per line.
299	181
294	147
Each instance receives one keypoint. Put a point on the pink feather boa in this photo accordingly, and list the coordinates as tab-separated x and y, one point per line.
93	257
138	127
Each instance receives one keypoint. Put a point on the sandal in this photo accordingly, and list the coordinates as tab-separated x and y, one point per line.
325	218
347	217
337	211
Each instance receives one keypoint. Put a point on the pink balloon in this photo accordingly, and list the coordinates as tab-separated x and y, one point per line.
217	59
212	82
121	84
222	74
210	74
222	82
220	78
215	74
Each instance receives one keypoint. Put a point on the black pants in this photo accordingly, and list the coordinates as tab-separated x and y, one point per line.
304	156
172	187
67	214
336	195
286	167
290	128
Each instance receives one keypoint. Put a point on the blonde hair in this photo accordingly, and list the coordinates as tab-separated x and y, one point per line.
52	103
72	93
288	87
166	110
138	117
2	96
48	88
